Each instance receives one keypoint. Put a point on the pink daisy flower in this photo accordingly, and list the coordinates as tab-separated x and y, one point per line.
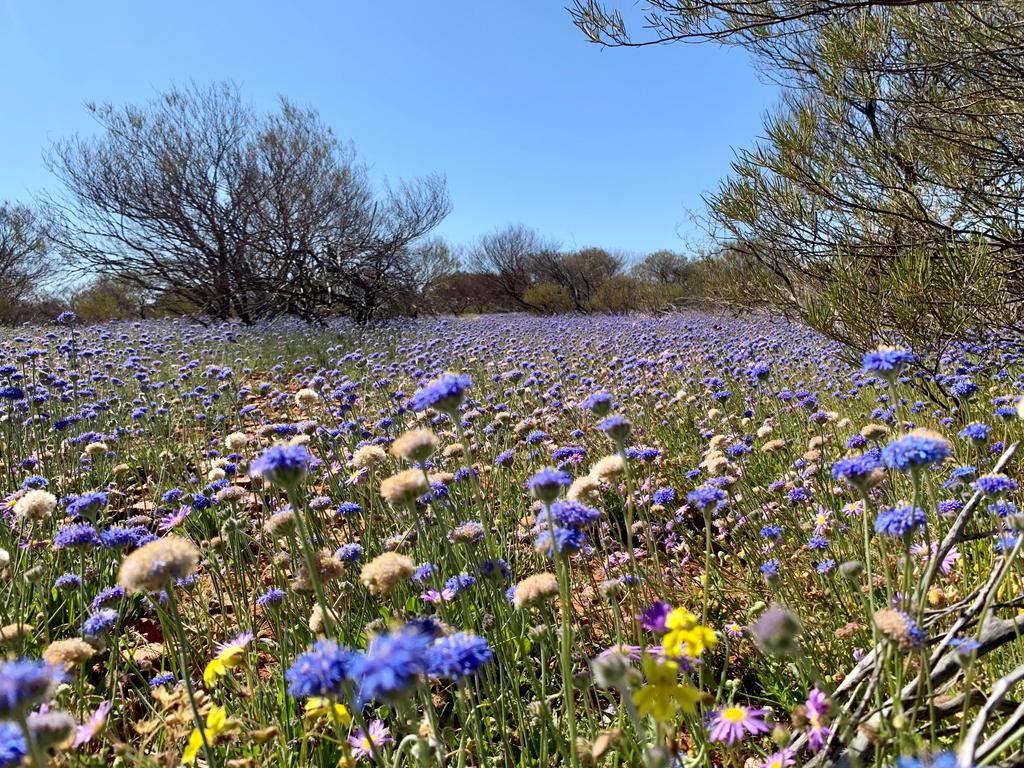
817	709
732	724
377	735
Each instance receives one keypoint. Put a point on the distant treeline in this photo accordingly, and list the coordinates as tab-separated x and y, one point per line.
196	204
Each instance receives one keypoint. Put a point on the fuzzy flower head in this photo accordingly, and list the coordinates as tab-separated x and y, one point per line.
403	488
534	590
386	571
154	565
416	445
35	505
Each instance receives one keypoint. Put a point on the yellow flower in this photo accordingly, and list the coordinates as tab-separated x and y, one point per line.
230	656
686	637
664	695
318	706
216	723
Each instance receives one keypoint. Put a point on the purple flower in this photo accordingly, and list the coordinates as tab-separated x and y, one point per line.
817	709
652	619
732	724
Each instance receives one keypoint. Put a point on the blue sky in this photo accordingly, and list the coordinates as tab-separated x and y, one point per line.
529	121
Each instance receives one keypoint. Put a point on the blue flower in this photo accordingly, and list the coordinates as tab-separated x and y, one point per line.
569	514
456	657
664	496
899	521
321	671
283	465
443	394
976	431
25	683
67	581
548	483
914	450
76	535
350	553
887	362
12	745
458	583
100	623
857	470
963	388
88	504
994	484
759	370
706	496
566	540
393	663
109	595
599	403
348	508
770	569
271	597
163	679
616	427
116	537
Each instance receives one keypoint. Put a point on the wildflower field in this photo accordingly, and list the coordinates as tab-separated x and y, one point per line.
506	541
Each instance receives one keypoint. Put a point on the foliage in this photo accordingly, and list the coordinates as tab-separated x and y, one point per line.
893	146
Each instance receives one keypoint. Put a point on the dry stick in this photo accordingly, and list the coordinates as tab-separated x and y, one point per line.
965	755
995	633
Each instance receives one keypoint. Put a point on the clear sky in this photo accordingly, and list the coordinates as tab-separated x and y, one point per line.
530	122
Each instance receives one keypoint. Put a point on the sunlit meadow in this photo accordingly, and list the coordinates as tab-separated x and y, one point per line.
505	541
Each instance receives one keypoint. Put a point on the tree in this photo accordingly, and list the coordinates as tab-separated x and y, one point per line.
548	298
893	159
24	258
509	256
108	298
196	196
665	268
580	273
